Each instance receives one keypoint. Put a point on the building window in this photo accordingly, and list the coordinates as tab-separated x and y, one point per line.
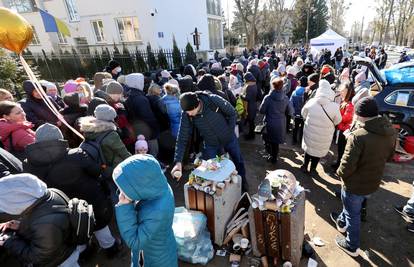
214	7
35	40
214	31
20	6
72	10
98	29
128	29
62	38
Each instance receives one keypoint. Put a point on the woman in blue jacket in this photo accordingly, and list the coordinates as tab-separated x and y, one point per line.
145	211
170	105
297	100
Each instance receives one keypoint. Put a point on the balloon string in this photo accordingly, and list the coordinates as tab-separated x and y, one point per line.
45	97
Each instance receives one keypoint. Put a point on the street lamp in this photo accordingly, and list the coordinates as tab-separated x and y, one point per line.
196	38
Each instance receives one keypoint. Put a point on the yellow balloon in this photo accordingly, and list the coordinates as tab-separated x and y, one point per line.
15	32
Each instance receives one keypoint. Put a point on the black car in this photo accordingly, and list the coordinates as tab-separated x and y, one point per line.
395	100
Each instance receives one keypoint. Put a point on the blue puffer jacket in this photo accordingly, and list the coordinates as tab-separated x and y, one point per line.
171	106
147	225
297	99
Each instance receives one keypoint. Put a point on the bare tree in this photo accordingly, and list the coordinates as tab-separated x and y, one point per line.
248	11
337	14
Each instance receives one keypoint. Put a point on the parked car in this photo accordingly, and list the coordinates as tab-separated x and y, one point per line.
395	98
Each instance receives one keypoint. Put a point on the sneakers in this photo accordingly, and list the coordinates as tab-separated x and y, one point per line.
340	225
409	217
342	244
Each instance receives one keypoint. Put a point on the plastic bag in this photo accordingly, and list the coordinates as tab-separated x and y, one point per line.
193	239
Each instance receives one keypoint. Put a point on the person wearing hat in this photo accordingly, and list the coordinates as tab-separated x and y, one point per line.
114	68
53	92
248	95
215	119
98	80
310	90
367	150
37	112
40	236
76	174
103	123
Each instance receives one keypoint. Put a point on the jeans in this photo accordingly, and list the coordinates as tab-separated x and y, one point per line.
409	207
351	216
337	65
233	148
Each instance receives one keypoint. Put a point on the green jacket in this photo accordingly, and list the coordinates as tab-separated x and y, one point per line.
367	150
113	149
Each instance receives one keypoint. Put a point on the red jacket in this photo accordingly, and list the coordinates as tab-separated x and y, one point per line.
22	134
347	113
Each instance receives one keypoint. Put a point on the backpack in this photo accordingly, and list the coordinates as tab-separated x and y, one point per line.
93	149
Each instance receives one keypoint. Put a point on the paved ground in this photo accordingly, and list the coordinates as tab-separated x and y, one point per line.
384	236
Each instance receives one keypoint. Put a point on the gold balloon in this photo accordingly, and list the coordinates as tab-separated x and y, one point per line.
15	32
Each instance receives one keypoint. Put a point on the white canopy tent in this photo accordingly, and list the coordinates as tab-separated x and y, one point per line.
329	39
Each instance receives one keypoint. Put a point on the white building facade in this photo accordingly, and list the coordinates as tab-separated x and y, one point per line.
96	24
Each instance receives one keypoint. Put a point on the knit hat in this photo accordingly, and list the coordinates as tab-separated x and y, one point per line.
98	78
291	70
189	101
366	107
216	65
240	67
18	192
249	77
71	100
105	112
173	82
70	86
48	132
121	79
325	70
48	85
165	74
314	77
113	64
360	77
135	81
281	68
141	143
114	88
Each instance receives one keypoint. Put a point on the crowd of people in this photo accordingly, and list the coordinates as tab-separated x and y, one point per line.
172	118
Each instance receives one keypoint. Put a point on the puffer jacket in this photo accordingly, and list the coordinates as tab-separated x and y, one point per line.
171	107
51	160
366	152
21	135
147	224
297	100
215	122
44	236
318	128
347	113
113	149
249	94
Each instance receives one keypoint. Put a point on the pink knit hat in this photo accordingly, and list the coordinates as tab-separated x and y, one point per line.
141	143
70	86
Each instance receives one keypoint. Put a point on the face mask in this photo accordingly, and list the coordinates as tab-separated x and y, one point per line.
118	69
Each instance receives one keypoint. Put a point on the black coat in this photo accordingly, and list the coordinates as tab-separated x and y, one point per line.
250	97
37	112
141	115
44	237
275	107
71	171
71	115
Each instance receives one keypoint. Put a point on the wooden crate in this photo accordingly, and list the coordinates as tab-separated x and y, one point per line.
218	209
278	235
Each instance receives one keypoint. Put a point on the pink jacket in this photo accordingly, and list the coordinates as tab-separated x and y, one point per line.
22	134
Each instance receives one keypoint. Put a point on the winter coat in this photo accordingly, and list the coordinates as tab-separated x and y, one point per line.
162	118
21	135
147	224
126	130
249	95
43	238
71	115
207	83
113	149
255	70
366	152
347	114
71	171
318	128
9	164
230	96
297	100
275	107
37	112
215	122
187	85
171	106
141	115
293	84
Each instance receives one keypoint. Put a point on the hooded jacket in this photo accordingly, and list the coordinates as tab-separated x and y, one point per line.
318	127
207	83
275	107
147	224
170	105
113	149
51	160
44	236
37	112
366	152
297	99
20	133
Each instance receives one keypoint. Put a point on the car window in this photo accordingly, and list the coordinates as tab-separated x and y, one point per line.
404	98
